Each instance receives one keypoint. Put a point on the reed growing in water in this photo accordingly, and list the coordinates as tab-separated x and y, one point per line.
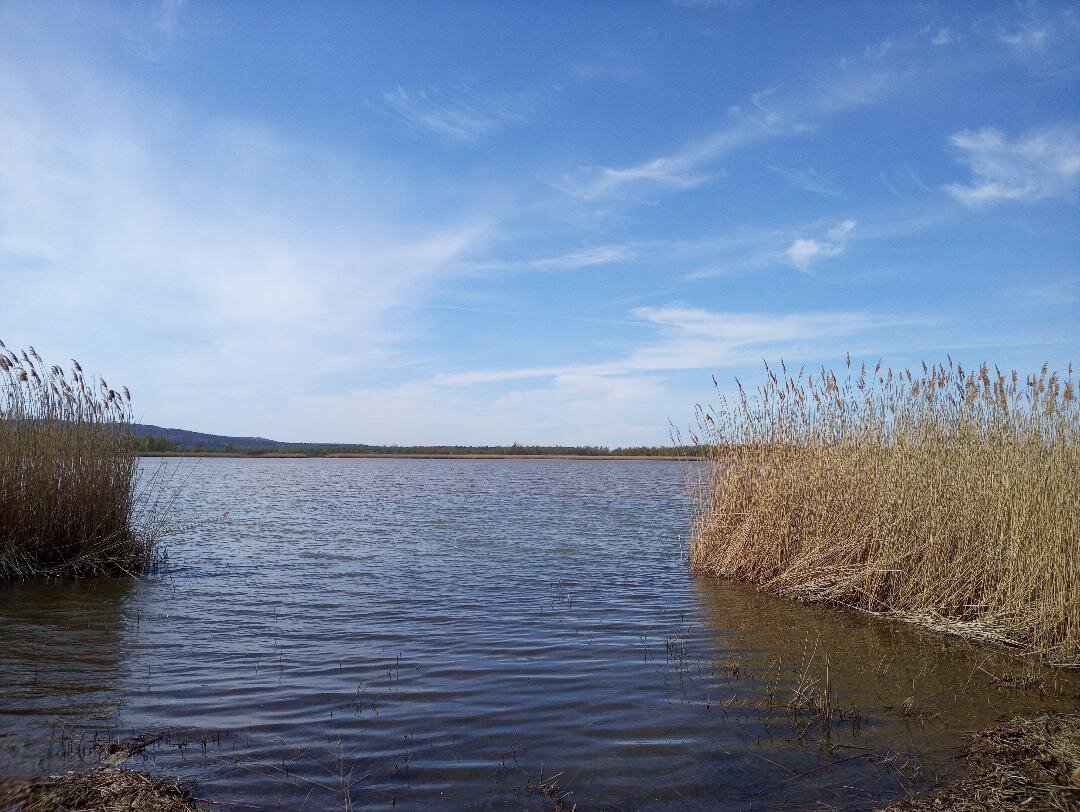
69	504
947	497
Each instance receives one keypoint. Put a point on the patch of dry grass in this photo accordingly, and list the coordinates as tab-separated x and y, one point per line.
68	473
97	790
1022	764
946	497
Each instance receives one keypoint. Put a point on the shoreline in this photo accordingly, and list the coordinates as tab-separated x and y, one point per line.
1024	762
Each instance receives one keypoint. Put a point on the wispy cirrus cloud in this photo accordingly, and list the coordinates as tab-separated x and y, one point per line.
1053	293
608	398
589	257
1045	38
853	83
458	113
736	251
808	179
1029	38
696	338
605	401
747	250
675	172
1042	163
686	169
609	66
586	258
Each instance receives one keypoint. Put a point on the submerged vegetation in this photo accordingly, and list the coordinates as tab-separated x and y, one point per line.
947	497
68	473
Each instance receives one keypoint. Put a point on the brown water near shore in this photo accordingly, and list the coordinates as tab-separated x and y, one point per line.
437	633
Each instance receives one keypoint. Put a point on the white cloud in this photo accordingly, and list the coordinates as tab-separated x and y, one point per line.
228	252
805	252
694	338
1040	164
608	401
676	172
459	113
627	396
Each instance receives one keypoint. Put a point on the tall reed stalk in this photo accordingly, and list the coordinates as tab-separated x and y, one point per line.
69	504
947	497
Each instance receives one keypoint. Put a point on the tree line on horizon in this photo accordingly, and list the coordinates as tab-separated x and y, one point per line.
157	444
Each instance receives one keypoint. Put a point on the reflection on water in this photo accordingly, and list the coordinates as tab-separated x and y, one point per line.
902	698
61	649
455	633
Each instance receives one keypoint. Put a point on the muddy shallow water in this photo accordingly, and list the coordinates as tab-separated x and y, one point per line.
454	633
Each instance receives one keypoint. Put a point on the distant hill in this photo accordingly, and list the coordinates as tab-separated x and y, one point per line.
184	440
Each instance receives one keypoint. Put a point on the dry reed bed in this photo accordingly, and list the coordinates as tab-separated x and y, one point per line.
69	504
946	497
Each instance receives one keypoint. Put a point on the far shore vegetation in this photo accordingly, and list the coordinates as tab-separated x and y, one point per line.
69	501
154	447
154	440
943	496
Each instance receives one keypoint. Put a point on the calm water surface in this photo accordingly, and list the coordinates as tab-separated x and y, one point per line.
445	634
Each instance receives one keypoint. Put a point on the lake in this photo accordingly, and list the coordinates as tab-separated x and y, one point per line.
457	633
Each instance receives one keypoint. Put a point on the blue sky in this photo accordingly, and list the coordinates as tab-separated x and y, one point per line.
528	222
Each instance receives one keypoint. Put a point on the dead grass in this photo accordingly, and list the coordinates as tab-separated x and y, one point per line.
97	790
69	504
948	498
1023	764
